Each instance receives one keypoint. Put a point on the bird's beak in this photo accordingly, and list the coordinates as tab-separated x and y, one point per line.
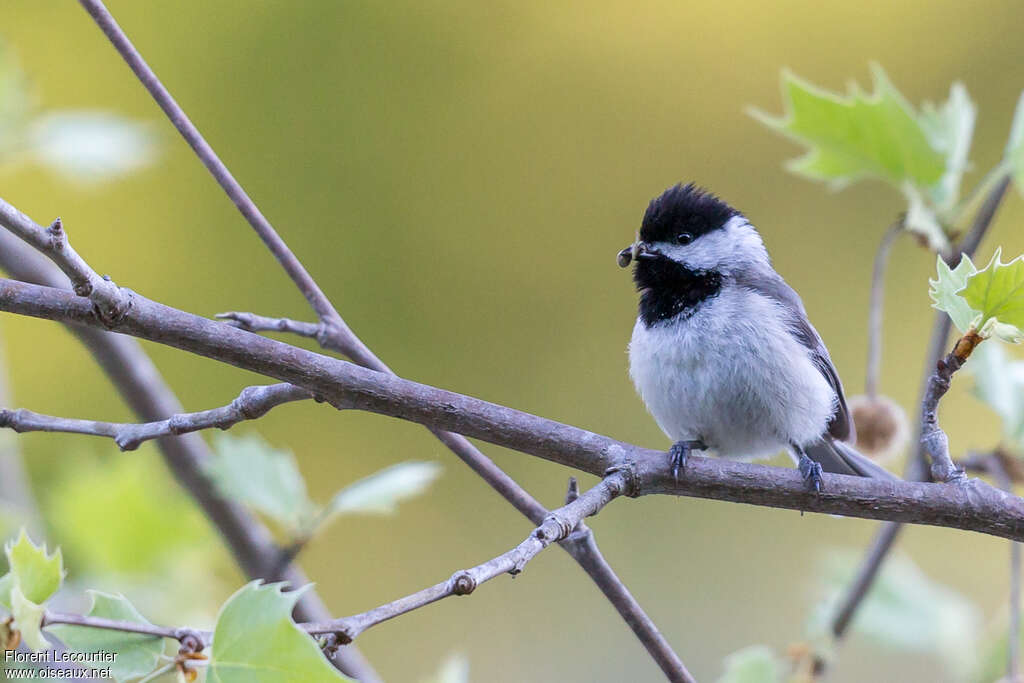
639	251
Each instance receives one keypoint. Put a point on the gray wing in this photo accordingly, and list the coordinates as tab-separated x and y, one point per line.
769	283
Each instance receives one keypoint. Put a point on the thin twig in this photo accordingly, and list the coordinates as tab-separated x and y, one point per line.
877	305
558	525
916	468
933	438
296	271
253	402
259	323
973	505
195	639
334	331
145	391
110	301
555	527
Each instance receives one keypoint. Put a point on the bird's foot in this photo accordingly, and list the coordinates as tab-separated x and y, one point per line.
811	472
680	453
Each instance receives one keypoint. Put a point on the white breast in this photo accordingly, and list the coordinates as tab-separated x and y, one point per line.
731	375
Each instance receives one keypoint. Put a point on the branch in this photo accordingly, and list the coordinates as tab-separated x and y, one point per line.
333	332
885	537
933	439
142	387
252	403
973	505
110	301
258	323
556	526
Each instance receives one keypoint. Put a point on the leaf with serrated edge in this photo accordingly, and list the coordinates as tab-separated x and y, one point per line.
381	492
858	135
37	574
256	641
136	654
950	128
997	292
28	616
250	471
753	664
945	292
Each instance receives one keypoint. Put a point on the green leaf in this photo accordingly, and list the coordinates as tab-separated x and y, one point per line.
997	292
754	664
945	292
381	492
904	610
35	573
28	616
950	128
860	135
136	654
250	471
999	383
256	641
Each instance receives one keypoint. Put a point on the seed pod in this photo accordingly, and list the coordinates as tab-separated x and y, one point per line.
624	257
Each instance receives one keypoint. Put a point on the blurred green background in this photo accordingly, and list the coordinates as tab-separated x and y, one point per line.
458	177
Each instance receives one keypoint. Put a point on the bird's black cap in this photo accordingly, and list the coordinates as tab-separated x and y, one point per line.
684	208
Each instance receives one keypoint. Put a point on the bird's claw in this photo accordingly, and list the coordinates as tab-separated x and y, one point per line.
811	472
680	453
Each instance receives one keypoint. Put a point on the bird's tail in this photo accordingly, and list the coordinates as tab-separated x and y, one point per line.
839	458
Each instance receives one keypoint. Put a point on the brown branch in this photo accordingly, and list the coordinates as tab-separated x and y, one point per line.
933	439
140	384
556	526
973	505
253	402
333	332
916	469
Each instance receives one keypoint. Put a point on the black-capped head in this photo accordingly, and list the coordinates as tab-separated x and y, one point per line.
690	241
683	213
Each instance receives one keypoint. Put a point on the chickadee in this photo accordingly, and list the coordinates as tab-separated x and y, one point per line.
722	353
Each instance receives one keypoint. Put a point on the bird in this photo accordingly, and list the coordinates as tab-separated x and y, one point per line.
722	353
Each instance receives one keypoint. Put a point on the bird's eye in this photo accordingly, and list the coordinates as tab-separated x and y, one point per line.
684	238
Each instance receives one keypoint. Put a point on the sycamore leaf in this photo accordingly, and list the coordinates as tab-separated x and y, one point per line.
999	383
136	654
250	471
256	640
754	664
860	135
28	616
997	293
950	128
1015	145
35	573
945	292
922	219
381	492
